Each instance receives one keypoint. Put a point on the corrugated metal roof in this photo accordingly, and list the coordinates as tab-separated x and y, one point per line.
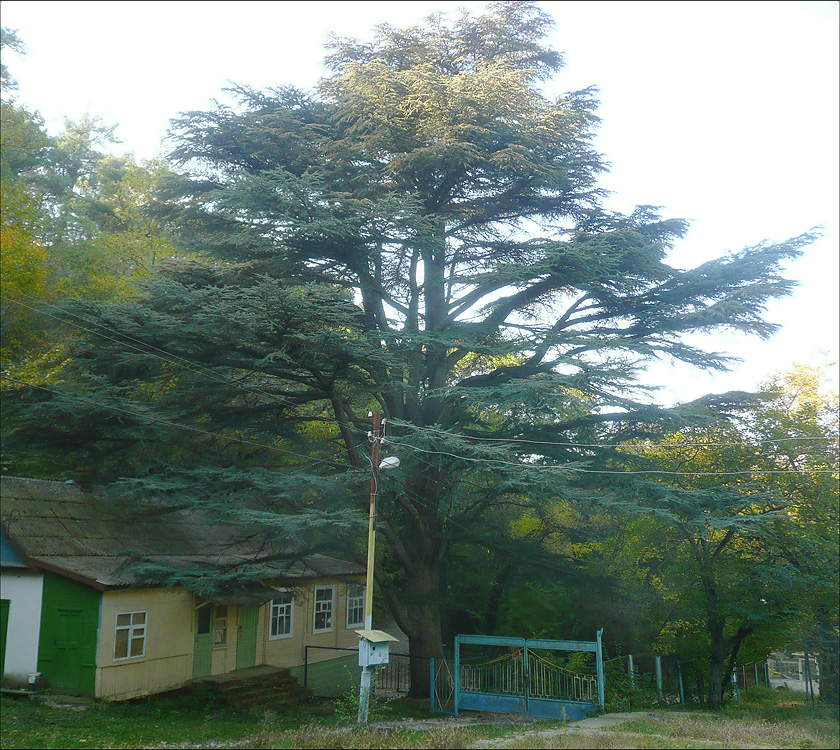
89	536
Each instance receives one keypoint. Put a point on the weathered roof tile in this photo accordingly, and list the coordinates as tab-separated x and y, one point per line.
61	527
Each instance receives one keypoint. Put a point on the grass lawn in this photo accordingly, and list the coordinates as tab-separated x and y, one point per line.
26	723
767	719
194	721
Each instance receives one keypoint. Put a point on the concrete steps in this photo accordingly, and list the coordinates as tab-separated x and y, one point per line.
269	687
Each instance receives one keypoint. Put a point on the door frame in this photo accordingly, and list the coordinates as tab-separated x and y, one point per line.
203	642
246	640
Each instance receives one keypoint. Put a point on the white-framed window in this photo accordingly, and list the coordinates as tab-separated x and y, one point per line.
220	622
281	617
355	605
323	620
130	635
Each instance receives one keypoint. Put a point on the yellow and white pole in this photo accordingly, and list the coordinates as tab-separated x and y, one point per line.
367	671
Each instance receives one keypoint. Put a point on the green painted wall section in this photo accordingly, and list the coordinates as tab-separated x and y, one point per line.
203	641
333	677
4	627
69	627
246	643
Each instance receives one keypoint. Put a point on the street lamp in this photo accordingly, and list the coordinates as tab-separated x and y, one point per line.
390	462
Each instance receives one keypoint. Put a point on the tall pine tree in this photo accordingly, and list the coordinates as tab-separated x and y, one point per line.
422	233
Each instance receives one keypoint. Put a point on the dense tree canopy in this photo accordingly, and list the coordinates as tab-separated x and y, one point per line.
74	225
423	234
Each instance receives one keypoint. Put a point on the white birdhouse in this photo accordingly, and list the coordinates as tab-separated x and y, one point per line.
373	647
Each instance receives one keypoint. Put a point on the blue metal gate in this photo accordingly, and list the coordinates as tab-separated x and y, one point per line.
520	681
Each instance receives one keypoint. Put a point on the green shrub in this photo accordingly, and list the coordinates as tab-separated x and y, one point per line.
346	708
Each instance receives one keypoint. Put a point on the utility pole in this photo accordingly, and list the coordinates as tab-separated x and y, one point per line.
374	466
368	671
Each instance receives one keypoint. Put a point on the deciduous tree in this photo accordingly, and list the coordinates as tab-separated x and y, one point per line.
738	533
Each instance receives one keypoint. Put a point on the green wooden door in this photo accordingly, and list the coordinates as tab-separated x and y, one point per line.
4	627
246	644
203	644
67	665
69	628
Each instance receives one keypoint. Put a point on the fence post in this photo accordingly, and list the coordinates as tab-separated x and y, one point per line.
755	671
632	676
305	667
432	684
527	675
658	661
457	676
744	670
679	677
767	673
809	688
599	666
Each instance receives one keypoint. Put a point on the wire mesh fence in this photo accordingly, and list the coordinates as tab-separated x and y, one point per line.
639	680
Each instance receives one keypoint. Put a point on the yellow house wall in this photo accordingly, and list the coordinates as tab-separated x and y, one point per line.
289	652
167	662
170	623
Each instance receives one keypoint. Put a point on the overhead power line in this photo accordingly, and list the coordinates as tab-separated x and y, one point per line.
149	350
144	348
149	418
561	444
535	467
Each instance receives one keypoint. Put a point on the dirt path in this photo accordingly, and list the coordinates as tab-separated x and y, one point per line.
471	718
597	724
592	724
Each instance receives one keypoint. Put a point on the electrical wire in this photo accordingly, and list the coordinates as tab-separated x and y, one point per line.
609	471
169	358
192	367
596	445
177	425
449	519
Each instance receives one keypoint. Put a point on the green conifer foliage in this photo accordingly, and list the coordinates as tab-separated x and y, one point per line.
422	233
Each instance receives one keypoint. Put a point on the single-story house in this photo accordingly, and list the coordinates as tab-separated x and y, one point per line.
73	611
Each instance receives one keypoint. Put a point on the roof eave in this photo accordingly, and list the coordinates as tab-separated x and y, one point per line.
59	571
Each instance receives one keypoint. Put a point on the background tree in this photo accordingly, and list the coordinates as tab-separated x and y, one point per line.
9	42
738	536
23	256
421	234
797	425
74	225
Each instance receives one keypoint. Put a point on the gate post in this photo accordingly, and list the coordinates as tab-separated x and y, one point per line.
432	684
599	666
457	676
526	676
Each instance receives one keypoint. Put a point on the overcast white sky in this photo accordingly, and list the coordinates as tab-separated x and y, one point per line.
724	113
